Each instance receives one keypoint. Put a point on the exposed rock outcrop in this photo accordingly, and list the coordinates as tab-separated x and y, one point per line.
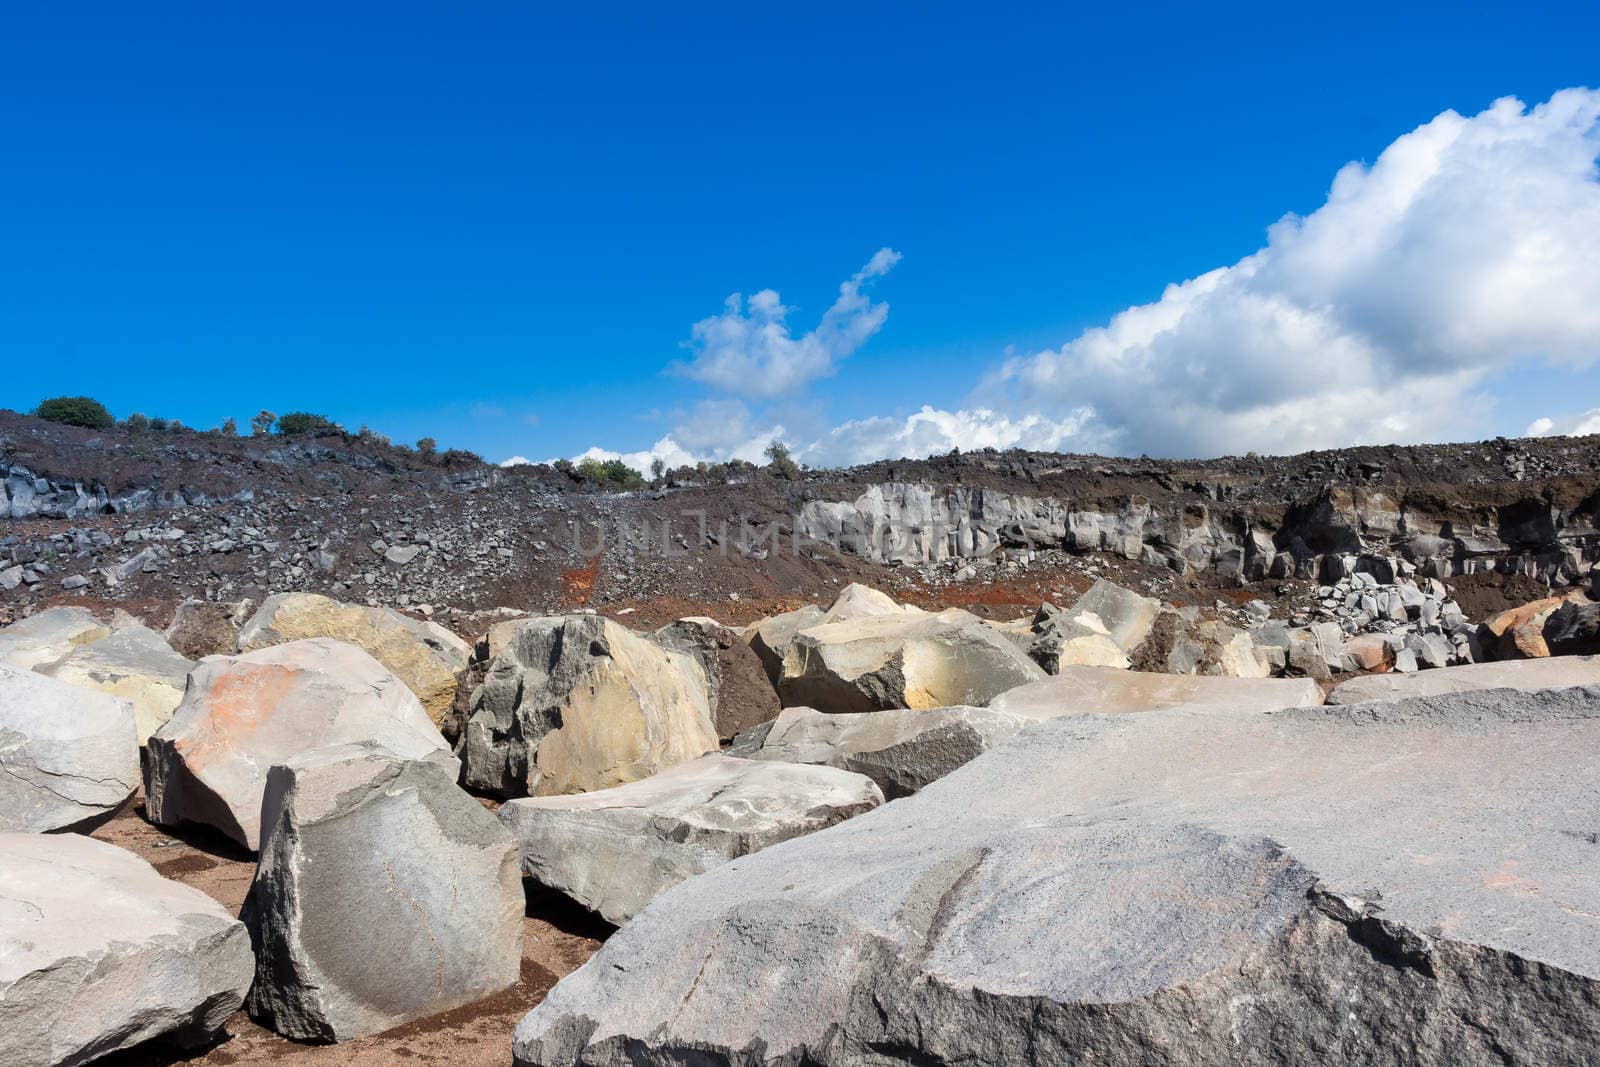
737	687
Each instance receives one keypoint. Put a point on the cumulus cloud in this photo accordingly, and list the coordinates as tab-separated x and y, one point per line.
1566	425
749	351
932	431
1470	244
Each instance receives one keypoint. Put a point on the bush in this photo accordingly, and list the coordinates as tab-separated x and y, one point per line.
230	427
136	422
158	424
76	411
462	456
610	474
261	422
427	446
296	423
781	463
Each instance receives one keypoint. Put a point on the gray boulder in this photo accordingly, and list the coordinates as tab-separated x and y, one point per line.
909	659
134	663
615	850
1400	883
68	759
1123	614
737	687
579	702
1106	691
384	894
98	953
1552	673
771	637
243	714
47	636
901	750
1573	629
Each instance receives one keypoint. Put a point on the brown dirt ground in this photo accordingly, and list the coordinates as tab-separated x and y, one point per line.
557	937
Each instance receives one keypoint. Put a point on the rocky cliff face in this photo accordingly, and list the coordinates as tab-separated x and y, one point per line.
1326	535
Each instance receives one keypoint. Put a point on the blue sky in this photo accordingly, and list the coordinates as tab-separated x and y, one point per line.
498	224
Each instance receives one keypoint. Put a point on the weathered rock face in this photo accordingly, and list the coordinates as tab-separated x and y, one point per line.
909	522
423	655
47	636
578	702
1202	887
134	663
1103	691
615	850
771	637
98	952
737	687
900	750
1573	629
384	894
1554	673
905	660
68	758
244	714
202	628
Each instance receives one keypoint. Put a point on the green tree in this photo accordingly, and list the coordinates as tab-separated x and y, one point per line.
261	422
658	467
305	422
76	411
230	427
427	446
136	422
780	462
610	474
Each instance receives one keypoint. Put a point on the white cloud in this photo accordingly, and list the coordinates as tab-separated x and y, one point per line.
1566	425
1470	244
748	349
933	431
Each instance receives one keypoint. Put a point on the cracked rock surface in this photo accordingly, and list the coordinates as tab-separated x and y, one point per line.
68	758
384	894
1407	882
98	952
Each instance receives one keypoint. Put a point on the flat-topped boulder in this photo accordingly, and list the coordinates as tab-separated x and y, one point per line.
901	750
99	953
68	758
902	660
134	663
771	637
1408	882
737	687
384	893
1121	613
579	702
423	655
47	636
1106	691
615	850
1553	673
243	714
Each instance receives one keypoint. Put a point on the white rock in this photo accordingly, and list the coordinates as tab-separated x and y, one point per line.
68	758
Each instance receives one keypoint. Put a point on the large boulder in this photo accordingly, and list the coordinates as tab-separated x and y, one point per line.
901	750
1573	629
1550	673
134	663
98	953
1121	613
201	628
1105	691
243	714
737	687
615	850
423	655
857	601
1518	632
579	702
68	759
47	636
902	660
384	894
1214	648
1396	883
1057	641
771	637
